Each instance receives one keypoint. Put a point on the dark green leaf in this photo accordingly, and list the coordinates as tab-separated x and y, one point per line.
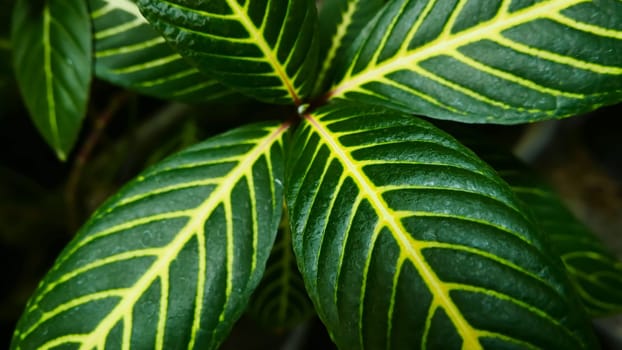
407	240
51	42
265	49
595	272
128	52
341	21
281	301
488	61
171	261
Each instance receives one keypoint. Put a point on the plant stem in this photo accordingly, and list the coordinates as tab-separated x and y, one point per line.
100	123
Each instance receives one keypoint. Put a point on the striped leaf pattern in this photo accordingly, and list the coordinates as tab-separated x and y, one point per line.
341	21
128	52
492	61
264	48
593	269
405	240
51	46
281	301
171	261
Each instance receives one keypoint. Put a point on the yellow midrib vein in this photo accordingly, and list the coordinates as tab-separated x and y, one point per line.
437	47
173	248
401	235
49	85
265	48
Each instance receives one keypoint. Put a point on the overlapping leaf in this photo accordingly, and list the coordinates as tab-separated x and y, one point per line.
407	240
496	61
595	272
51	43
281	301
130	53
171	261
341	21
265	49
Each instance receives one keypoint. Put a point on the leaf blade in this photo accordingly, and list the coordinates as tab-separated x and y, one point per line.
157	265
131	54
477	61
53	35
390	262
595	272
265	50
340	22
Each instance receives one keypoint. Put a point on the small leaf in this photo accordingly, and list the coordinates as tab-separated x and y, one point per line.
128	52
593	269
281	301
170	262
265	49
341	21
51	42
484	61
405	239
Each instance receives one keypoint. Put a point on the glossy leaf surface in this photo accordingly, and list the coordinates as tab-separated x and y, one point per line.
265	49
281	301
51	42
341	21
407	240
493	61
593	269
170	262
128	52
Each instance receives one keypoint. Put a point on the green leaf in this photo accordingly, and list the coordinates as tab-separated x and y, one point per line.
502	61
281	301
171	261
265	49
51	42
405	239
593	269
341	21
128	52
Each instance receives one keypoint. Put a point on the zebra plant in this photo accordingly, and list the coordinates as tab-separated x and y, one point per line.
403	236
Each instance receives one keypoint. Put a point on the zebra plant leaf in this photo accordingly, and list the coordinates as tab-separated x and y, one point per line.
405	239
51	46
265	49
171	261
479	61
281	301
128	52
341	21
593	269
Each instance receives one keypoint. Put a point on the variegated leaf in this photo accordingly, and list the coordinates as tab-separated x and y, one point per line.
407	240
265	49
595	272
51	47
341	21
171	261
488	61
128	52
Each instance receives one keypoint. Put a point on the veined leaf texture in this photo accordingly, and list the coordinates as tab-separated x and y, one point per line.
171	261
265	49
480	62
130	53
406	240
51	47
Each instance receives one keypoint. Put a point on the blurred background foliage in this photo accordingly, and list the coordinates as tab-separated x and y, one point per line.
43	201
